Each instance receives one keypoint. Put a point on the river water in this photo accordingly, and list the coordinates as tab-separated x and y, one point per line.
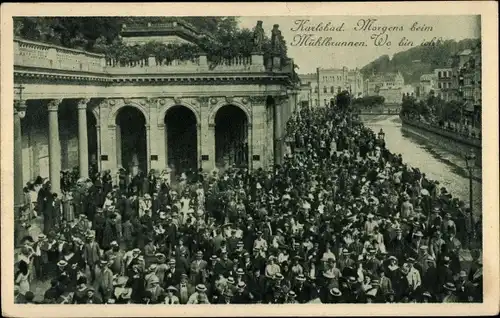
437	163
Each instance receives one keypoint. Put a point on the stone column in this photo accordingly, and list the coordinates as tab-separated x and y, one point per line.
54	151
209	147
107	139
118	145
83	151
207	134
18	172
257	143
161	147
199	148
148	149
98	154
157	142
277	131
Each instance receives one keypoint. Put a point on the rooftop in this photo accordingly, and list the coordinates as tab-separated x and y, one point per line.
427	77
178	27
386	77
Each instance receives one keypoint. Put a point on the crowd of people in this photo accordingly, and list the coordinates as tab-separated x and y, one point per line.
340	220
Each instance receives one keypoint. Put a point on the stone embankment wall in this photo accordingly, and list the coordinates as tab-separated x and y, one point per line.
448	140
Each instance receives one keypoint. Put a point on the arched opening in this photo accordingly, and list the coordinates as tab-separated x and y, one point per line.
92	143
231	137
131	142
181	141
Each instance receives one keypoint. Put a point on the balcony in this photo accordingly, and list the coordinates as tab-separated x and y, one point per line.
29	54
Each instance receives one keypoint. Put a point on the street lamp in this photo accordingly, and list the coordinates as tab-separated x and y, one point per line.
470	161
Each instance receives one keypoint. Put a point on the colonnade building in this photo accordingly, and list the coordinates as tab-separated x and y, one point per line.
74	109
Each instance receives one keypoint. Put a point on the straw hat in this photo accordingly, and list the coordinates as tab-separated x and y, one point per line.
201	288
62	263
171	288
335	292
450	286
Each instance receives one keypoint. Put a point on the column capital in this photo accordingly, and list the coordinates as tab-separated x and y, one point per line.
256	100
280	99
82	103
20	107
53	105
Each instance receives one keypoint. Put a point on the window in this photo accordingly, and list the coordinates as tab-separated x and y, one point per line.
316	102
439	85
331	90
316	89
439	74
324	89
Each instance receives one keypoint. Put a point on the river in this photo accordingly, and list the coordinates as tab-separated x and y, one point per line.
438	164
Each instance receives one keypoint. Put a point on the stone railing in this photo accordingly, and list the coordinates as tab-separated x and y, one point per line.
48	56
464	139
41	55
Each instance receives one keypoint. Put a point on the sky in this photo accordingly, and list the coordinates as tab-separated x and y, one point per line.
308	58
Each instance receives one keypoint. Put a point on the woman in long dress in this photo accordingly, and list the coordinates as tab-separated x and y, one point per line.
22	278
68	209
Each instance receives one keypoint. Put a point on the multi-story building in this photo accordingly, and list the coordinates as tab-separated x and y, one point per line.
332	81
79	110
443	85
469	82
426	85
388	85
309	90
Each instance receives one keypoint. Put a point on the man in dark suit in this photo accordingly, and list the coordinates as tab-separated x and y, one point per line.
185	288
91	253
197	268
172	276
302	289
223	266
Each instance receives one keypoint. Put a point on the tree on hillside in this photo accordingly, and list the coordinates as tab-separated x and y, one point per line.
419	60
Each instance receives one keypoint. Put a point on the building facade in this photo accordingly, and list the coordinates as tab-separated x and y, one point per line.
388	85
469	82
332	81
426	85
80	111
444	85
305	95
310	88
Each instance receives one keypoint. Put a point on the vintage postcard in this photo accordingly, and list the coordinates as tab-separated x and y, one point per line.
254	159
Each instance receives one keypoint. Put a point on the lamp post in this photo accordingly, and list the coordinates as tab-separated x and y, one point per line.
470	160
19	113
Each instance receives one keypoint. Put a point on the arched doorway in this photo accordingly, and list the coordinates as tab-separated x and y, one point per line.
131	142
231	137
181	141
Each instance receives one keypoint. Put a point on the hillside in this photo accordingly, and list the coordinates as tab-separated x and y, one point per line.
419	60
